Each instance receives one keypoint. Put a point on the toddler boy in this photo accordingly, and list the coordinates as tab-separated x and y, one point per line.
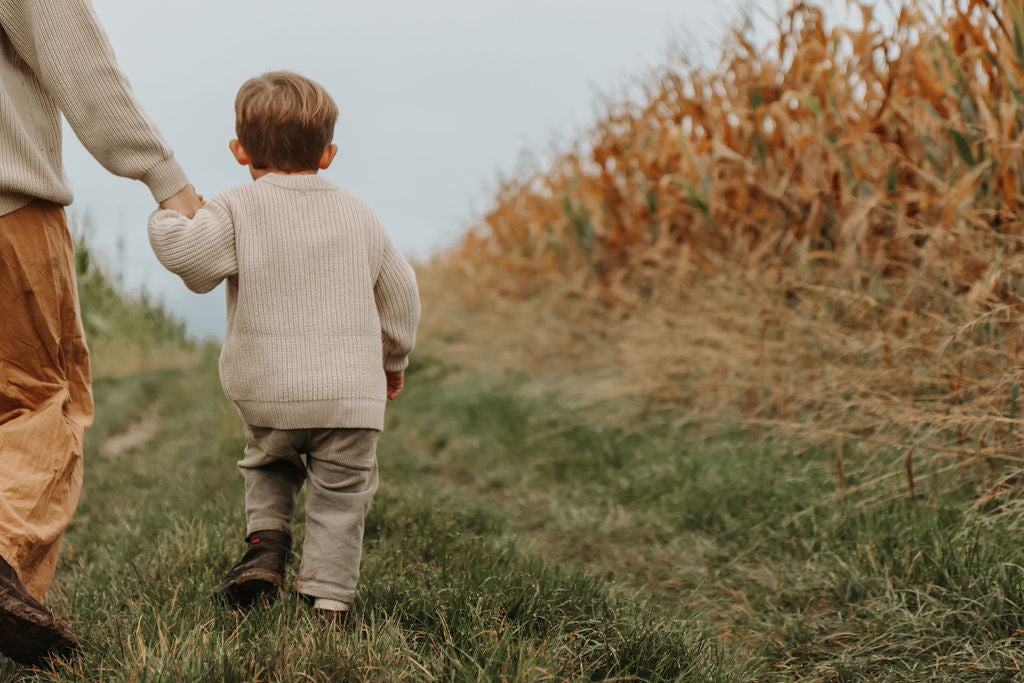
321	316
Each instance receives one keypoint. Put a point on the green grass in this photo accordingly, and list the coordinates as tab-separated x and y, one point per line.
447	592
521	536
746	536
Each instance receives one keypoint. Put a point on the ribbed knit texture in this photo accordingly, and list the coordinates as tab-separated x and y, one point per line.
320	301
55	58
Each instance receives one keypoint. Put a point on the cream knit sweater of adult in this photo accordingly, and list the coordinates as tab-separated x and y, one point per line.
320	301
55	58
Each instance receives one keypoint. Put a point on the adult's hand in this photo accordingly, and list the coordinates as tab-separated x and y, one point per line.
185	201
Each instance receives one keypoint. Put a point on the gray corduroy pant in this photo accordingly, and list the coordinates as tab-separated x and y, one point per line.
339	468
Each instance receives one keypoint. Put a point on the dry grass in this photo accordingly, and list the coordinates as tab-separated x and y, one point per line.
822	236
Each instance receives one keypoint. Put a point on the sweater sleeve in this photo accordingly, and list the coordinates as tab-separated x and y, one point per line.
398	304
201	251
63	43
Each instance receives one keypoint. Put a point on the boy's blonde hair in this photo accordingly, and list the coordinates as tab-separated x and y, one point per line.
284	121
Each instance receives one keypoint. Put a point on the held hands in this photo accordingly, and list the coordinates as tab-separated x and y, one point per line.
396	382
185	201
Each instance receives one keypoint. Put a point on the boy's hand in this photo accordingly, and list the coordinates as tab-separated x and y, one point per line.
396	382
185	201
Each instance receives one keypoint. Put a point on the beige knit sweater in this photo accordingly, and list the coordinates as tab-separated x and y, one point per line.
55	58
320	302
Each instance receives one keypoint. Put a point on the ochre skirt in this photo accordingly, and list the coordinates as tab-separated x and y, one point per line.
45	397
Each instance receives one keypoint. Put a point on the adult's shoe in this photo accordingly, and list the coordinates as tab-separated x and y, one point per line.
29	632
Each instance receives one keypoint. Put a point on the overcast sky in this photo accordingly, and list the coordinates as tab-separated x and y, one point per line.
437	99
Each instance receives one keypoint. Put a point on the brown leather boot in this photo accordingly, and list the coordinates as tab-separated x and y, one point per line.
28	631
260	572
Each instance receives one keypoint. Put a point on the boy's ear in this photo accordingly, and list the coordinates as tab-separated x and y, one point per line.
328	156
241	156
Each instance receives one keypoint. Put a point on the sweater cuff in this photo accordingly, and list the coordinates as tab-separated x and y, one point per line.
165	179
395	363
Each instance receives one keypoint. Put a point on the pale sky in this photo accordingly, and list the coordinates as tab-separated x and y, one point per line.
437	99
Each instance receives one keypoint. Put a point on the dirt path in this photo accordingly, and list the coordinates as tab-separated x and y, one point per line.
138	434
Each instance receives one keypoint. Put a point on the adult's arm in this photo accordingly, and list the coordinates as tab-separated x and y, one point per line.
64	45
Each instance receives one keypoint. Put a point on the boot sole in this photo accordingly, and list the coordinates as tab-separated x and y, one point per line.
251	586
28	635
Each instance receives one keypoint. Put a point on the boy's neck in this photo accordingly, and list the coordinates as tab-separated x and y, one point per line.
260	172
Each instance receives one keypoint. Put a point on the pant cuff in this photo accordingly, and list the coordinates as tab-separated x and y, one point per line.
267	525
319	589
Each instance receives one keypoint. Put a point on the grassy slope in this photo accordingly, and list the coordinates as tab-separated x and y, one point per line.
515	536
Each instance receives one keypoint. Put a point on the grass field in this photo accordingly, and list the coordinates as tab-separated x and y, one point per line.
519	535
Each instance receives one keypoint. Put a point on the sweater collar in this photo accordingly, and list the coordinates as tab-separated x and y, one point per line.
303	182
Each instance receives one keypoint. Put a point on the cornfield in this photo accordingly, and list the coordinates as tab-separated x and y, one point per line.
821	236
